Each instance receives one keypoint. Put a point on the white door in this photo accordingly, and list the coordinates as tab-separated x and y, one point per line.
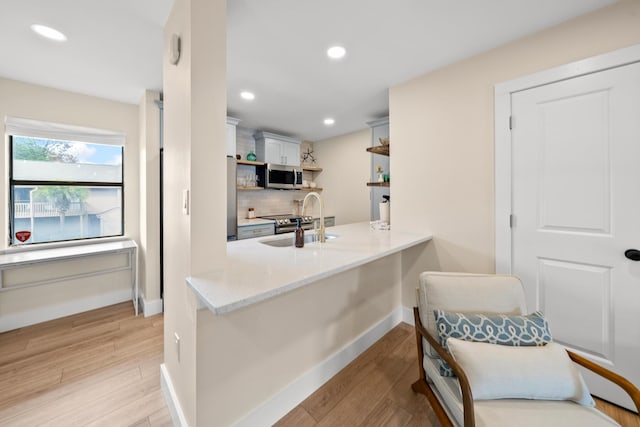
576	207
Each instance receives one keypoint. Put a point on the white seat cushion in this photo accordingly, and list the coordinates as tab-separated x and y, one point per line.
512	412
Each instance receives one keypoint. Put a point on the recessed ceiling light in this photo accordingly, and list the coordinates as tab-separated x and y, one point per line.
48	32
329	121
248	96
336	52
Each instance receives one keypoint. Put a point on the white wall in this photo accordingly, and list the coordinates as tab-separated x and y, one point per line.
29	101
248	355
149	248
442	135
346	168
195	160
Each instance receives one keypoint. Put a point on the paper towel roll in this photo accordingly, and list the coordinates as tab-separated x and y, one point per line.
384	212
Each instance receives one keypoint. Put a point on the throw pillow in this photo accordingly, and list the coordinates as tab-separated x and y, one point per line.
505	372
503	329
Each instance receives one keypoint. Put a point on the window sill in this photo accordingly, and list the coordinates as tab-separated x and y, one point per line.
20	256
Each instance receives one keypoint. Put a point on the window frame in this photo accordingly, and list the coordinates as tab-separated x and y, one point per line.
12	183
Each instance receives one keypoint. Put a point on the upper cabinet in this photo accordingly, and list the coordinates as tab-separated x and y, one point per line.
231	136
277	149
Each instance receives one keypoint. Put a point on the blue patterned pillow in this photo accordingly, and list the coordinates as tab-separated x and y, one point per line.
503	329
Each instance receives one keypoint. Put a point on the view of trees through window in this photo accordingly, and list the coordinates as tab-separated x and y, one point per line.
63	190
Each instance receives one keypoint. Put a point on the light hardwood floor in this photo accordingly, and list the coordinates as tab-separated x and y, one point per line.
99	368
375	390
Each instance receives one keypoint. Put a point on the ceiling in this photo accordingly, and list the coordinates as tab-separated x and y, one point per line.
276	49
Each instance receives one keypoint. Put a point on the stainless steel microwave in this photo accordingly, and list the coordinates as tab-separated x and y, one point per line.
280	176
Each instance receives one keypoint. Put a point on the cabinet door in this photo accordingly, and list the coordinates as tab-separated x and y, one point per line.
273	151
291	153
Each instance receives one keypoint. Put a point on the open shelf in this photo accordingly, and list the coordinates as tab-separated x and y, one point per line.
250	163
311	168
240	188
311	189
378	184
379	149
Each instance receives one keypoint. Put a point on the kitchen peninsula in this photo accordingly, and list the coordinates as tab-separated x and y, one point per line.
274	323
256	271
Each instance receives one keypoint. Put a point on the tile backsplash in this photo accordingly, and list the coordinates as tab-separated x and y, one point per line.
267	202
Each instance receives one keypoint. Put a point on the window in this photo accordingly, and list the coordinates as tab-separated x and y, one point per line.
63	190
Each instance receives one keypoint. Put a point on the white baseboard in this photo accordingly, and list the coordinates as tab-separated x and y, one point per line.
42	314
407	316
177	415
151	307
288	398
292	395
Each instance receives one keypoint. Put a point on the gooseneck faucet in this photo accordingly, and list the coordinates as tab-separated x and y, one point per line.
304	203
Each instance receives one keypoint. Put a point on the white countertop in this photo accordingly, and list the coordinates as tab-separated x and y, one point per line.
254	271
254	221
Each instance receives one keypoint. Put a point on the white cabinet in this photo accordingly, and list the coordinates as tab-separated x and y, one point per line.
231	136
277	149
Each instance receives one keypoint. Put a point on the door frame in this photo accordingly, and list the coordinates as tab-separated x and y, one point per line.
502	135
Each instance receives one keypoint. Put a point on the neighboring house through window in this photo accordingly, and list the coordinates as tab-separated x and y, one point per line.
66	183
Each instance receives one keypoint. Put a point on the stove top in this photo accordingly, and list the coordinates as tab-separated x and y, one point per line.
286	219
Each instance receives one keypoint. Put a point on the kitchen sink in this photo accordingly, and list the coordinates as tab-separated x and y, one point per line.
285	242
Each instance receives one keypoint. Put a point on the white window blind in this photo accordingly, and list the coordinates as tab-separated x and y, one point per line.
63	132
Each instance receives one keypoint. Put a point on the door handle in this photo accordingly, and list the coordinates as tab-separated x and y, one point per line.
632	254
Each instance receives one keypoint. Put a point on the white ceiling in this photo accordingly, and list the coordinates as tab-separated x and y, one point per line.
276	49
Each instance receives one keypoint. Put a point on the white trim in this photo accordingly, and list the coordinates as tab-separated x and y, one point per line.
151	307
43	314
407	316
170	396
63	132
289	397
502	106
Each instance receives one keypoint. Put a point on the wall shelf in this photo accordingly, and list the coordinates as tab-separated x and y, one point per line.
378	184
311	189
311	169
250	163
241	188
379	149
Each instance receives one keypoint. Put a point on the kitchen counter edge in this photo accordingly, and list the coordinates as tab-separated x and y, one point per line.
204	285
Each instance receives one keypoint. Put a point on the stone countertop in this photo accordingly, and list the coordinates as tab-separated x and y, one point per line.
254	271
254	221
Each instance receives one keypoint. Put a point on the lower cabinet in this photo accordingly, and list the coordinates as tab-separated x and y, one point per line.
255	230
329	221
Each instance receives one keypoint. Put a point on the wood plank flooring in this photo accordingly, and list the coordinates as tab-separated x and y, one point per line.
375	390
99	368
102	368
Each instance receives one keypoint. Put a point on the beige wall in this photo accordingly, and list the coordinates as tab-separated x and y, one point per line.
25	100
442	135
346	169
247	356
149	249
194	153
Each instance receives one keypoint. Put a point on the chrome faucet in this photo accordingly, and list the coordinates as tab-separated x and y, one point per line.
304	203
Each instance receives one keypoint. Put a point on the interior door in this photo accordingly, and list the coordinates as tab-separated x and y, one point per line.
576	210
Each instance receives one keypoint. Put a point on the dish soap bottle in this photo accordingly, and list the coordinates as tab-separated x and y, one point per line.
299	235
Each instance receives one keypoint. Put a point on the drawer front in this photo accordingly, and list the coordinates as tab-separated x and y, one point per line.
329	221
250	231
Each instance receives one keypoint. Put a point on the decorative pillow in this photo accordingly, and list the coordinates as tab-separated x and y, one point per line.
505	372
503	329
